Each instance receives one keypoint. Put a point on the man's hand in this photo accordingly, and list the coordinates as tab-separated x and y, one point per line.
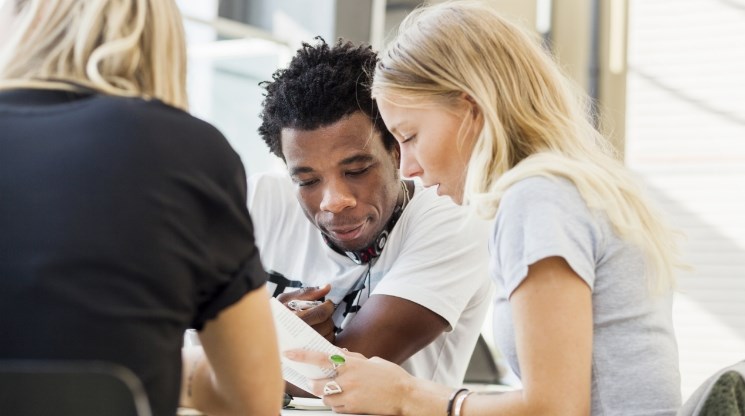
319	317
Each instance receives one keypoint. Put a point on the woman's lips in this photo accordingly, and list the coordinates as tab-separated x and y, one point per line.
433	185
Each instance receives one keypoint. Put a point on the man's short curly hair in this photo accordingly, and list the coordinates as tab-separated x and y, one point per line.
321	85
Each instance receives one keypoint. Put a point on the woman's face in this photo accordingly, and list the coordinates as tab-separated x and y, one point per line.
436	140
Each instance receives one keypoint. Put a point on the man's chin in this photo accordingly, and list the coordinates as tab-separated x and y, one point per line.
353	240
350	246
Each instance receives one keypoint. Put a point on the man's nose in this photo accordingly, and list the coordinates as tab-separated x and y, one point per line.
337	197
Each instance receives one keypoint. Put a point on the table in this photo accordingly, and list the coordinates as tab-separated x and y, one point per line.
285	412
325	412
297	412
307	403
289	412
308	407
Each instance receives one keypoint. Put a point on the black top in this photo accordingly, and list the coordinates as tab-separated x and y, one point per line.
123	222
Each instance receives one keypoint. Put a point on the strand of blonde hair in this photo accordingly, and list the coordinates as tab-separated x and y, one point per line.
132	48
535	121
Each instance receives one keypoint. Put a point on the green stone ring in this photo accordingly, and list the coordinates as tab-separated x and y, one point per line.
337	360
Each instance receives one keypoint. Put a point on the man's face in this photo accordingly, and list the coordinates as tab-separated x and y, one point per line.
346	181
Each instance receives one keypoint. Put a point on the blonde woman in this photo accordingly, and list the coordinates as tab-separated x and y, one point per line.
123	218
583	267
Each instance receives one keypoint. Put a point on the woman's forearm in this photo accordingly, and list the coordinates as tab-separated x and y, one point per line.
491	403
431	398
198	389
238	373
423	397
195	376
426	397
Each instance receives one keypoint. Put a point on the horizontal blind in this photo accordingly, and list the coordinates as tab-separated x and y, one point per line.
686	140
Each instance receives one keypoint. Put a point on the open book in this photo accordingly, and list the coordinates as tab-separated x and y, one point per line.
306	403
293	333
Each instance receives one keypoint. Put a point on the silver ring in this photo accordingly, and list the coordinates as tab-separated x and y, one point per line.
331	387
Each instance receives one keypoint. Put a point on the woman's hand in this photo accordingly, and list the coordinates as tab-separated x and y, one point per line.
373	386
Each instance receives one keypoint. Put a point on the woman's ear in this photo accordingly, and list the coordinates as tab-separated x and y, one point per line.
475	112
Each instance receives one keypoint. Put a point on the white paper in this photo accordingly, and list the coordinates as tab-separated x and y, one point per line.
306	403
293	333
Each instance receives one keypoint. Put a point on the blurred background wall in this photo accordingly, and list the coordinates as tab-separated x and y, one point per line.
668	77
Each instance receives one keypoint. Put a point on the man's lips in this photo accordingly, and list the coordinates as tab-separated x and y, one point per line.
346	233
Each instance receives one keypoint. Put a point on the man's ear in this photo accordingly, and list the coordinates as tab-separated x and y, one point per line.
396	153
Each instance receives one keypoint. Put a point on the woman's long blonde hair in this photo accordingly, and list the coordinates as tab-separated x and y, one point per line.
536	122
132	48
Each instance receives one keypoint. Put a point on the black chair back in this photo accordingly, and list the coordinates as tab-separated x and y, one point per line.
32	388
721	394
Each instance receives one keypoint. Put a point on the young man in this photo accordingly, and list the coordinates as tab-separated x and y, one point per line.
403	272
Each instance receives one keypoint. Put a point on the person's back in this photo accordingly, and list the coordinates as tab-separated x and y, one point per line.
123	218
115	217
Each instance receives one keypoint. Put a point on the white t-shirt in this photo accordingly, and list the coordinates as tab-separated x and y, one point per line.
436	256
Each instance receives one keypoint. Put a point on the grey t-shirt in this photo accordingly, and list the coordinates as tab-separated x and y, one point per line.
634	357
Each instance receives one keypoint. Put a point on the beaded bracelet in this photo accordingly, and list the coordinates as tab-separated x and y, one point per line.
451	400
459	403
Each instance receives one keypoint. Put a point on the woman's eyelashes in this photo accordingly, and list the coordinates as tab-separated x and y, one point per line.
408	138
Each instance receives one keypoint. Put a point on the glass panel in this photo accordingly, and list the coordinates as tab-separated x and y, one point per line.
226	65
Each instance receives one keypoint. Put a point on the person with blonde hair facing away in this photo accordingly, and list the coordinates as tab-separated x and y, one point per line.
583	265
123	218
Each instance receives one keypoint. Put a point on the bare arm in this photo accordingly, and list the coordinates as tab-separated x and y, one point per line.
239	372
552	312
391	328
387	326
